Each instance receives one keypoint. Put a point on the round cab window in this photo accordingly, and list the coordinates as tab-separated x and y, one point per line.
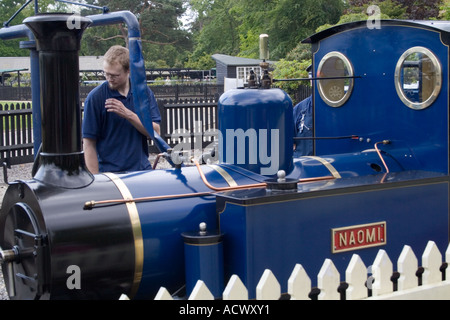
336	90
418	78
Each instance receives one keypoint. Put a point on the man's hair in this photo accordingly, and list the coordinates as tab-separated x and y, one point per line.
118	55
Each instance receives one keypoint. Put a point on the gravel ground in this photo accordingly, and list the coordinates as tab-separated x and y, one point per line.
22	172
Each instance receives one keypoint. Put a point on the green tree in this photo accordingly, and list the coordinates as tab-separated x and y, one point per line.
162	35
216	28
233	26
444	13
255	20
205	62
292	21
400	9
421	9
285	69
393	9
11	48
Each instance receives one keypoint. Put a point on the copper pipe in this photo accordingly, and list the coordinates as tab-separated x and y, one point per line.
91	204
379	153
307	180
157	160
255	185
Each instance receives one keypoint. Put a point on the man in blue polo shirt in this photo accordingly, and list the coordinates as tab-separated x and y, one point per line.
303	128
303	125
114	138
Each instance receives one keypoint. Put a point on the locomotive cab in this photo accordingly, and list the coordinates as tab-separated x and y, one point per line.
381	130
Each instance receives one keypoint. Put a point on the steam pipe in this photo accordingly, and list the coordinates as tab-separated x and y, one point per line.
137	70
61	162
109	18
14	32
22	31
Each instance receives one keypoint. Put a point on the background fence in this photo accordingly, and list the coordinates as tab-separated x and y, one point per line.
16	133
15	93
188	122
175	91
189	118
191	122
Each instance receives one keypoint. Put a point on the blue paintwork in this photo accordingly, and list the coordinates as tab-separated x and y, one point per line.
374	110
252	110
346	165
275	230
205	262
164	221
267	231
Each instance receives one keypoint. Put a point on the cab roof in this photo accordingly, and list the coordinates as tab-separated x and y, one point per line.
440	26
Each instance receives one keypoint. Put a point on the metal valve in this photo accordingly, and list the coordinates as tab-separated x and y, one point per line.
9	257
202	228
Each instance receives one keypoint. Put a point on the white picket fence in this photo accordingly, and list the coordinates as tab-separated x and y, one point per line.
356	276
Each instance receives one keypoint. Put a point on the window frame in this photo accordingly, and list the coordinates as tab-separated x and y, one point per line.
242	72
399	85
351	73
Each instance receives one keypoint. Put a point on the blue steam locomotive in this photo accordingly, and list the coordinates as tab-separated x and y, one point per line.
379	177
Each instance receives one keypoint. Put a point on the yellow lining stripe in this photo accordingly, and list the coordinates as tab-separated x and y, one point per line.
229	179
137	231
327	164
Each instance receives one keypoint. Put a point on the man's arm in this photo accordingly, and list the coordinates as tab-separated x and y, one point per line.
133	118
114	105
90	155
157	128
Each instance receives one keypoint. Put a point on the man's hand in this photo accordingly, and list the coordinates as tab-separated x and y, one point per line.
114	105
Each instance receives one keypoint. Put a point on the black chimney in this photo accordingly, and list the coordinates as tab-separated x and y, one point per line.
61	161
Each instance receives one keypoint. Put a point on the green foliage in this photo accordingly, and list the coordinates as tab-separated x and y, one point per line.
444	13
163	39
347	18
300	52
233	26
285	69
227	26
247	45
215	30
400	9
205	62
10	48
357	10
